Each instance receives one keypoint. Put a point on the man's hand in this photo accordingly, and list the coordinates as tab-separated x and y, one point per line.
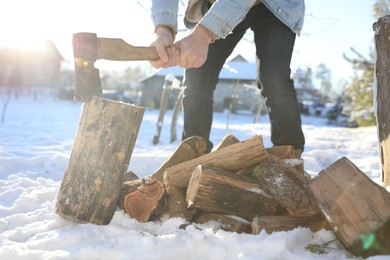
194	47
169	55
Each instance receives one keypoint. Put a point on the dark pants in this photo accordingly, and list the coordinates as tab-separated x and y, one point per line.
274	45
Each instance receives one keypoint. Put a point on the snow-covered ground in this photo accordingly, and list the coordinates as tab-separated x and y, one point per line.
35	143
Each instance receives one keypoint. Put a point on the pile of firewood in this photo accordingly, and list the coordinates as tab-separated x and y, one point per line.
247	188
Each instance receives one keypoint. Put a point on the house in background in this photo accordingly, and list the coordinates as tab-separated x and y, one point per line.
38	65
236	86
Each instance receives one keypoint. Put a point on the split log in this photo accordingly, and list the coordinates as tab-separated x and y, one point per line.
177	206
356	207
288	192
143	199
285	223
100	157
227	223
227	140
382	95
234	157
190	148
282	151
217	191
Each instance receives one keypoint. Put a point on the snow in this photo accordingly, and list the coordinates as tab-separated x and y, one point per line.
35	144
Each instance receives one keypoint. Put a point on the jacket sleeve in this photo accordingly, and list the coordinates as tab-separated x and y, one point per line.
164	12
224	15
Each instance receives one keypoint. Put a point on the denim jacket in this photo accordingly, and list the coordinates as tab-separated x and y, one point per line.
224	15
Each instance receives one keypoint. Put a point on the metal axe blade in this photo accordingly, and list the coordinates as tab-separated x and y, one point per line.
87	48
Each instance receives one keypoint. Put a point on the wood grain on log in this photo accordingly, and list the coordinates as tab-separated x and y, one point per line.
100	157
142	199
232	158
217	191
190	148
287	190
356	207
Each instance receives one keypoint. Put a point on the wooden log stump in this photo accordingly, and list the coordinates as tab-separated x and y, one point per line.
227	223
233	158
285	223
143	199
190	148
357	208
100	157
217	191
382	95
288	191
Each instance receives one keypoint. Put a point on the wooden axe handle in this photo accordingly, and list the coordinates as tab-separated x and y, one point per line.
119	50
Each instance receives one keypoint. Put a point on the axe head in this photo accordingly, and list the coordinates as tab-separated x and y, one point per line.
87	78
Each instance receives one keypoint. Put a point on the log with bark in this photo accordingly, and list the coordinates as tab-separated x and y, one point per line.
357	208
103	145
288	190
285	223
190	148
214	190
143	199
234	157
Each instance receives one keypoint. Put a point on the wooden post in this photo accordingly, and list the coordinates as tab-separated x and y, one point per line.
382	95
176	109
357	208
100	157
163	108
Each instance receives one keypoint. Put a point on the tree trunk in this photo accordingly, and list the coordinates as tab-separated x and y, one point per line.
382	76
356	207
100	157
216	191
233	158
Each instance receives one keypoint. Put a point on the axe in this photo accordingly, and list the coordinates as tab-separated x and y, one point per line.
87	48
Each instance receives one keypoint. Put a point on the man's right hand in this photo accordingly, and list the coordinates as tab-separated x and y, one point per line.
169	55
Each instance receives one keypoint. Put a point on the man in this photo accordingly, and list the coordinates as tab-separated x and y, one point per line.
221	25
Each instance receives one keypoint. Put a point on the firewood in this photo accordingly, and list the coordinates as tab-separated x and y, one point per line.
227	140
287	191
282	151
217	191
142	199
227	223
101	153
177	206
234	157
285	223
188	149
357	208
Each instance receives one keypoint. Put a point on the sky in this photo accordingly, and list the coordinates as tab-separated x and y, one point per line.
331	28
